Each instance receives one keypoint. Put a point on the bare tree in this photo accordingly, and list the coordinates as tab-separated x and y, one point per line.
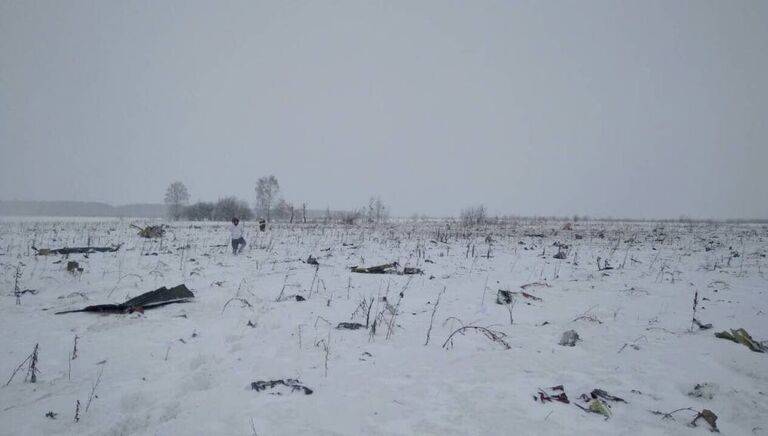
375	211
283	210
380	210
368	212
473	215
304	212
266	189
176	196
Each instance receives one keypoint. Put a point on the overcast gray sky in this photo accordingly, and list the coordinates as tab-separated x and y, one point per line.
606	108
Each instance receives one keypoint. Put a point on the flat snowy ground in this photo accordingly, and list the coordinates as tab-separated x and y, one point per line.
187	369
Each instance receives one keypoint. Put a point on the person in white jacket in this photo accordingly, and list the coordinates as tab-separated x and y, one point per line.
236	233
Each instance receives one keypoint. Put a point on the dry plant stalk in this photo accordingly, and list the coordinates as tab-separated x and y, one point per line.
432	318
493	335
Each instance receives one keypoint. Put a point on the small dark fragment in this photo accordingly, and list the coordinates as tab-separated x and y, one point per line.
529	296
742	337
703	390
569	338
293	384
504	297
151	232
300	298
311	260
349	326
599	393
550	396
388	268
709	417
700	325
74	267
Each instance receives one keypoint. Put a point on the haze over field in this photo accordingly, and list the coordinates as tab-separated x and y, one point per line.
601	108
383	218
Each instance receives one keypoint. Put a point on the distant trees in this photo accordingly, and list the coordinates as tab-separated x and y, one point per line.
200	211
266	190
473	215
348	217
269	206
223	210
283	210
376	211
176	196
230	207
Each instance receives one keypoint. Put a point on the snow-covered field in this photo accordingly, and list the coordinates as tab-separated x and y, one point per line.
187	369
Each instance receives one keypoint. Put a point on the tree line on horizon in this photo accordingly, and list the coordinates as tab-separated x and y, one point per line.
268	206
271	207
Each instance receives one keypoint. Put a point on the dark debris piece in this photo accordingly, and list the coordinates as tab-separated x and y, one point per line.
74	267
710	418
742	337
389	268
293	384
603	395
350	326
151	232
702	326
75	250
504	297
158	297
553	395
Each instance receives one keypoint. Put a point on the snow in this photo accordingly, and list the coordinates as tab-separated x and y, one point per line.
186	369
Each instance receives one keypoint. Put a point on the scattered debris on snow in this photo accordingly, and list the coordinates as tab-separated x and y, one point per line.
555	393
704	390
709	417
149	300
350	326
75	250
569	338
742	337
293	385
151	232
387	268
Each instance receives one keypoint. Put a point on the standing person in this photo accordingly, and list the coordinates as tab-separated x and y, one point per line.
236	233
